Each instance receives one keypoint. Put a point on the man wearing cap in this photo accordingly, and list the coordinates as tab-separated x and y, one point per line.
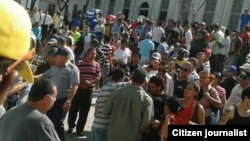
146	47
66	76
152	68
15	44
29	121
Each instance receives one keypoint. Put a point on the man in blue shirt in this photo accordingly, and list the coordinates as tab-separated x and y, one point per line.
244	19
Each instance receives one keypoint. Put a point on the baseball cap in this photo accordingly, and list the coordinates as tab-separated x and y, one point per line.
149	35
15	27
156	55
61	51
181	51
203	23
208	51
246	67
177	44
52	41
232	68
52	51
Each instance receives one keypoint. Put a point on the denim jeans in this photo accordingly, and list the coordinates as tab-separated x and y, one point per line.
98	135
215	118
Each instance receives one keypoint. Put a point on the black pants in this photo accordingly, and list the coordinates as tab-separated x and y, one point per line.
57	116
221	61
45	29
214	60
81	102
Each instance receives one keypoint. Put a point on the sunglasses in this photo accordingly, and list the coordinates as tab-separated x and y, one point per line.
243	76
26	57
183	69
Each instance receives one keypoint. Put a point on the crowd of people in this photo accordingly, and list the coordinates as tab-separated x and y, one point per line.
148	74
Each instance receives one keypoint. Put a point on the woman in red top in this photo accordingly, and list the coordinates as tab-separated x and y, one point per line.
189	101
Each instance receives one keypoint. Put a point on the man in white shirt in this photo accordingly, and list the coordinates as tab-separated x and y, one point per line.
157	33
58	20
188	37
123	53
224	48
45	21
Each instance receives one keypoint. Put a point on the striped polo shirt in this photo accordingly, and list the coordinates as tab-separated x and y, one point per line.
106	50
101	121
88	70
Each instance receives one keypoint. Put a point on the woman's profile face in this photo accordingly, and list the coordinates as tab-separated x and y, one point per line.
189	91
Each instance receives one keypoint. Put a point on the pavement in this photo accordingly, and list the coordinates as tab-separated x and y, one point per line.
87	130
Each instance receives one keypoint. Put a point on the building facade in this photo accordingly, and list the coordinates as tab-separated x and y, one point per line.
224	12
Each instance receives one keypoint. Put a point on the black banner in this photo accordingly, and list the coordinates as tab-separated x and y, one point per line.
208	132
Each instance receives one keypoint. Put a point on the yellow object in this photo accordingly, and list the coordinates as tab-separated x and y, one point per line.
15	29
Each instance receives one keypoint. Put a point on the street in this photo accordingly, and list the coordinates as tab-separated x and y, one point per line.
87	130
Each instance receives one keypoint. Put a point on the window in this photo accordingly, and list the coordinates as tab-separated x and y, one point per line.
209	12
75	10
235	14
163	10
144	9
111	7
126	8
97	4
185	8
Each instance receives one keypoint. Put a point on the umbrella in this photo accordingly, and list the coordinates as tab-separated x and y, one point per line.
110	17
90	13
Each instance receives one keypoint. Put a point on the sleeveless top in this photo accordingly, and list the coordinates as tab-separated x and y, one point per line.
195	118
238	119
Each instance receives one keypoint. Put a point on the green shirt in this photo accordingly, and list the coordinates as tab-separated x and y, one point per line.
218	37
76	35
129	109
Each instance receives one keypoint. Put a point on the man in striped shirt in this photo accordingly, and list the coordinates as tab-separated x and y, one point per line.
100	124
89	75
107	64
